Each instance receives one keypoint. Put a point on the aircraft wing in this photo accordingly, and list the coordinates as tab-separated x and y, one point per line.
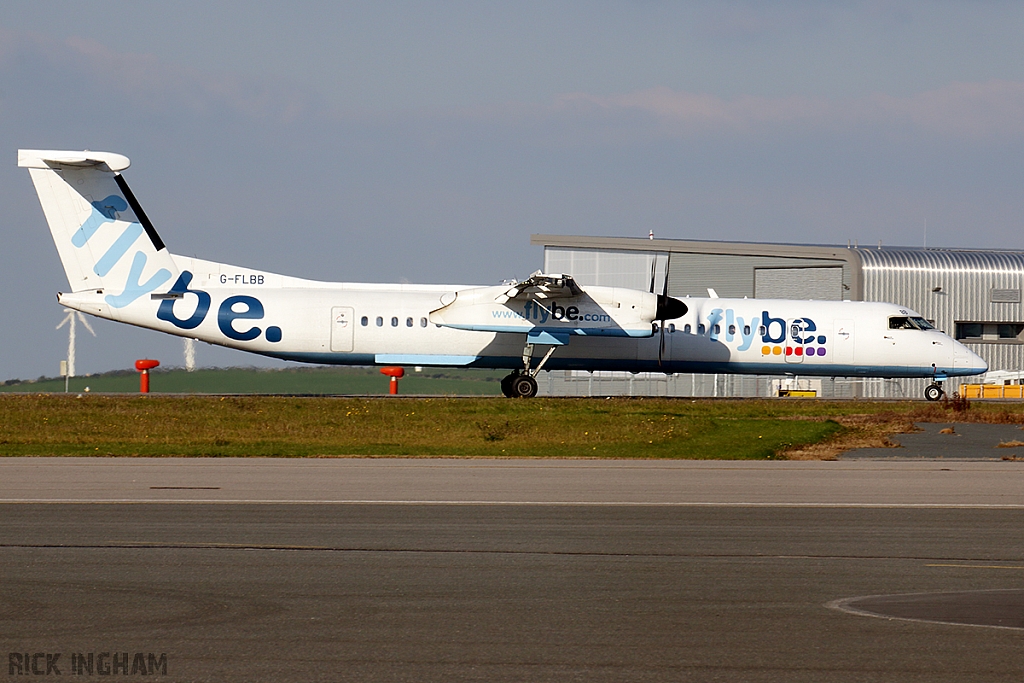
542	286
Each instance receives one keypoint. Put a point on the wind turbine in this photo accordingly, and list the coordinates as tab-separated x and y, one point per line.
190	354
69	320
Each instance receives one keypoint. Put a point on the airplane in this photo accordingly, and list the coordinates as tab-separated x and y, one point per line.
118	268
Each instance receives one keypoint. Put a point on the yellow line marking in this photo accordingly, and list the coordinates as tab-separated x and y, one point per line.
975	566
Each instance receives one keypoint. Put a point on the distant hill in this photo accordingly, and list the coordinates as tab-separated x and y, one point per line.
302	380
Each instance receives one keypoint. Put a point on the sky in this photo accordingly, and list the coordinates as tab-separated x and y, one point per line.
426	142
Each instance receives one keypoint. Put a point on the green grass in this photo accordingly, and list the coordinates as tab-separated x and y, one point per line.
302	380
490	427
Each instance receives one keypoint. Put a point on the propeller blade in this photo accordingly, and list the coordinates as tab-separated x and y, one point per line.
661	343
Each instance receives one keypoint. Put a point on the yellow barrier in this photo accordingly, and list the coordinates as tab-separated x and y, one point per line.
797	393
992	390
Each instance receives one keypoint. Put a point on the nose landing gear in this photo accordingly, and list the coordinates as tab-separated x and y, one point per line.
933	392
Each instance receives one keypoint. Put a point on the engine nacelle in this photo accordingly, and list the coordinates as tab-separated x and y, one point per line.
598	311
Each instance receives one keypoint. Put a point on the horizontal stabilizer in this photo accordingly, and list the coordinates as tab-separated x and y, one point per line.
48	158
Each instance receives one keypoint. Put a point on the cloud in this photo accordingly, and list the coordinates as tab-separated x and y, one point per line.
990	111
89	71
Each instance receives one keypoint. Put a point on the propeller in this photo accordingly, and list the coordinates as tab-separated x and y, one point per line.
669	308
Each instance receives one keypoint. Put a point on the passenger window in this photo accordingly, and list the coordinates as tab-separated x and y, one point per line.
364	321
718	329
423	322
762	330
380	321
671	328
732	329
394	322
408	322
746	330
687	328
700	328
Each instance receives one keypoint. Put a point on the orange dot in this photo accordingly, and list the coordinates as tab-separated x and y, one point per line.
766	350
777	350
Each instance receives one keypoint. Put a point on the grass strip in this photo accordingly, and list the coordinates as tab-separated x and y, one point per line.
41	424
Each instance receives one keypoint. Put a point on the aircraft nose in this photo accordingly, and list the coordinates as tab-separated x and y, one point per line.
969	360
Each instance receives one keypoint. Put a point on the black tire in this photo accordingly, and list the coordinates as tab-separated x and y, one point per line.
506	384
933	392
524	386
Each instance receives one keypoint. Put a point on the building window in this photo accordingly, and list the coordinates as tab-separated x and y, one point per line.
408	322
380	321
992	333
423	322
394	322
364	321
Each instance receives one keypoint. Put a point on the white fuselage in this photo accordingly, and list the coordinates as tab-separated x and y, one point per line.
364	324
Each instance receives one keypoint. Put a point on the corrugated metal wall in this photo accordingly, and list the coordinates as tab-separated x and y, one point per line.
964	279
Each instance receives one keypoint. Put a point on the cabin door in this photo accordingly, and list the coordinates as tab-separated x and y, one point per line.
342	327
842	342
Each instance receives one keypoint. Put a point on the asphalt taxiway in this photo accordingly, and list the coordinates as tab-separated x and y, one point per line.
394	570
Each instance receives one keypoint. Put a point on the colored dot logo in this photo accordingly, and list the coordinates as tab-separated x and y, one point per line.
792	351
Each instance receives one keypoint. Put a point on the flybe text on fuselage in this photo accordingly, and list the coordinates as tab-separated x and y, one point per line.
799	332
232	309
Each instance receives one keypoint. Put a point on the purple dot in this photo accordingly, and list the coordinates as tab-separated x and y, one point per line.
821	352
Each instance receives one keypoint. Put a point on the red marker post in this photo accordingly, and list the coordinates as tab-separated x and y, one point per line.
394	373
144	365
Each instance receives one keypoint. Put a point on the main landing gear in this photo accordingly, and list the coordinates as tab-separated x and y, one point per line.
933	392
523	383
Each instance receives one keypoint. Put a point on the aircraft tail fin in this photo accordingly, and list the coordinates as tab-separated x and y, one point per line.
104	238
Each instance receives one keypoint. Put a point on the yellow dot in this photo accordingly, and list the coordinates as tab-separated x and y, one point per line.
765	350
777	350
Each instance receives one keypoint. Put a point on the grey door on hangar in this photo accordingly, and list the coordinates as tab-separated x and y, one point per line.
821	283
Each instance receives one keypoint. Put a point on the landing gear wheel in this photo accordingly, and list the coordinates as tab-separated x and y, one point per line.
933	392
506	384
524	386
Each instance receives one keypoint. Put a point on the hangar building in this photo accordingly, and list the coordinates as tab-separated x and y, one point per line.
973	295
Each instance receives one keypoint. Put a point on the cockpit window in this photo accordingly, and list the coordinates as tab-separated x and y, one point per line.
922	324
898	322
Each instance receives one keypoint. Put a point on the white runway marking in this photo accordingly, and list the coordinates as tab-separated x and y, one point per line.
538	503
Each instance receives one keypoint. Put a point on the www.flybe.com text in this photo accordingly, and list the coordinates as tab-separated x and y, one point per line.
534	311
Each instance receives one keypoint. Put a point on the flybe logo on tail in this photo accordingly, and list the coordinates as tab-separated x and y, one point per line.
232	309
103	212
